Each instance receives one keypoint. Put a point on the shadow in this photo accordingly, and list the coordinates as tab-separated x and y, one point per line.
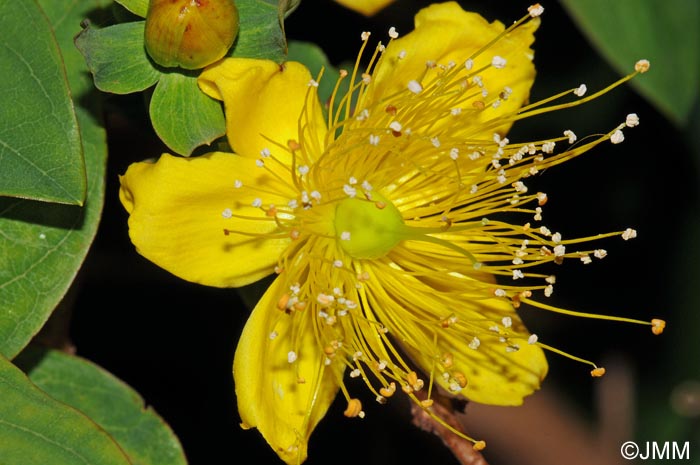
53	215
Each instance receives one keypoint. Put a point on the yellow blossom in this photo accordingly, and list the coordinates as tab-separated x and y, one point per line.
390	221
366	7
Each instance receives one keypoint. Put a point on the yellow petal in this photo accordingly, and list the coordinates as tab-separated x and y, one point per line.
283	400
412	309
366	7
264	103
176	207
443	33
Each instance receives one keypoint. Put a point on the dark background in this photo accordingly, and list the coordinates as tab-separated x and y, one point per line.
173	341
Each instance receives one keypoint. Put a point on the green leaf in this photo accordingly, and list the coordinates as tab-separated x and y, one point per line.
40	152
665	33
117	58
43	245
261	34
182	116
137	7
36	429
119	410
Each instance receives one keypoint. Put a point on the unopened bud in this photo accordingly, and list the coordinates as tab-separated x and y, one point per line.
190	33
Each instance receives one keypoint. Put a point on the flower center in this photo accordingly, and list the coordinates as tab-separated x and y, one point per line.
368	228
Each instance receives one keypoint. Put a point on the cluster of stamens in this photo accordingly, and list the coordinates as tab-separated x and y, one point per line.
408	152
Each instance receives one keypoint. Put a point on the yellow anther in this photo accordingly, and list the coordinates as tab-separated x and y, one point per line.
354	408
426	403
391	109
657	326
282	303
411	378
479	445
299	306
460	378
407	389
389	390
380	205
328	350
301	380
271	212
447	360
597	372
293	145
478	104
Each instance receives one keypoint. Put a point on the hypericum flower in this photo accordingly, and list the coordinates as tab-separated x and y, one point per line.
391	222
366	7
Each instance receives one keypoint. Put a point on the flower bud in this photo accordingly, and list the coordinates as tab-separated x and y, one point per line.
190	33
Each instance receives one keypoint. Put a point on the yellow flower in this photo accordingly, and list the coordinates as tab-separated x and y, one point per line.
366	7
390	221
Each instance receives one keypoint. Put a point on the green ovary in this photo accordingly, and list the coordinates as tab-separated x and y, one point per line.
375	226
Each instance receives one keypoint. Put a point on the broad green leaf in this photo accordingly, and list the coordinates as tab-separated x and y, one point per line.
119	410
137	7
43	245
261	33
40	152
182	116
117	58
36	429
665	33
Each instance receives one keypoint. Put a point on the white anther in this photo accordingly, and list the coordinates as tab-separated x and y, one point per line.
316	195
265	153
355	373
291	356
548	147
469	64
551	279
617	137
519	186
293	204
600	253
414	86
227	213
259	163
632	120
392	33
571	135
629	234
402	54
373	140
518	274
474	343
586	259
532	339
545	231
366	185
454	153
365	35
559	251
257	203
581	90
642	66
456	111
549	290
273	335
237	184
364	114
507	321
499	293
535	10
313	83
349	190
325	299
556	238
498	62
395	126
303	169
435	141
345	236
